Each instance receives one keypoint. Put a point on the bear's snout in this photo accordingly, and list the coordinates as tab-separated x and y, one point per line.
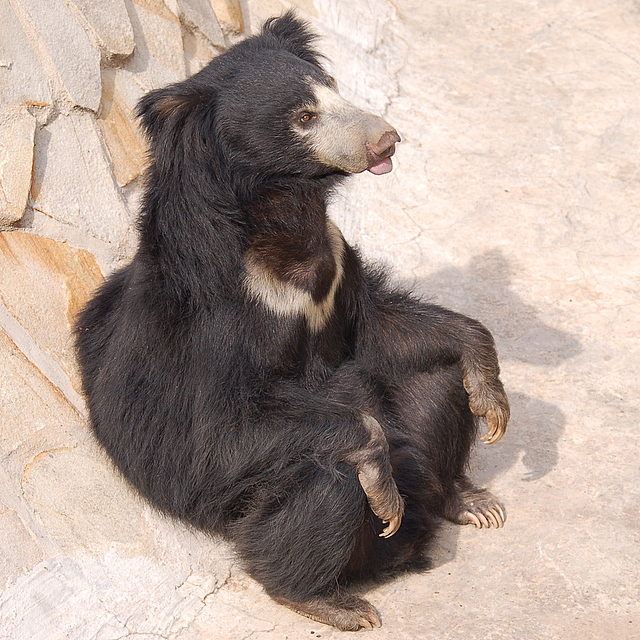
379	153
348	138
386	145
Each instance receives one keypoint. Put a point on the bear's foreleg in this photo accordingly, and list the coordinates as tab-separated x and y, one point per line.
375	475
398	335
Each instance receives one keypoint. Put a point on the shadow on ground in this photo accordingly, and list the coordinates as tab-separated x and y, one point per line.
482	290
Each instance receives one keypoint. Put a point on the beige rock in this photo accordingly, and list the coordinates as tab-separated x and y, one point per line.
159	57
17	130
87	598
64	50
198	51
116	120
197	16
107	24
56	601
229	14
22	79
165	9
20	553
77	509
362	39
43	285
35	417
73	181
258	12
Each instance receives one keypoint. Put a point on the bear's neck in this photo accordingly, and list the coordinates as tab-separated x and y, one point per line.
291	237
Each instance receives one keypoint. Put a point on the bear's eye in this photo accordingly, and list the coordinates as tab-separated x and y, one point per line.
306	117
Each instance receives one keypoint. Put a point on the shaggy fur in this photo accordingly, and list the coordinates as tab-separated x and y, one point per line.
249	374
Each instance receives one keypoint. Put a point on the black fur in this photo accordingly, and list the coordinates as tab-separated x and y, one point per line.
243	422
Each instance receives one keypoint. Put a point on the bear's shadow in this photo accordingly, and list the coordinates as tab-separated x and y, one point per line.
482	290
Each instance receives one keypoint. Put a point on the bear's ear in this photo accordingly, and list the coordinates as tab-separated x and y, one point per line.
161	105
293	35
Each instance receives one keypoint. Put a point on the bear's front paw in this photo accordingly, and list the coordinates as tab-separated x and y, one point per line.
489	401
382	494
375	476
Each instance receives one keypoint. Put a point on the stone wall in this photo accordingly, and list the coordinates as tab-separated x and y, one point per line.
71	73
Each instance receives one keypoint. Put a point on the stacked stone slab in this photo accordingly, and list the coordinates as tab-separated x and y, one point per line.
71	72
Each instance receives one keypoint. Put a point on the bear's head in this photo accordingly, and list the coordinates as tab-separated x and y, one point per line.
266	108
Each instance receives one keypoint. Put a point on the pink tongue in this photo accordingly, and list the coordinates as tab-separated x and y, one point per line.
384	166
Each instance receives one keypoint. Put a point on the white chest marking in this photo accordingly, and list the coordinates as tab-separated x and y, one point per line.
284	298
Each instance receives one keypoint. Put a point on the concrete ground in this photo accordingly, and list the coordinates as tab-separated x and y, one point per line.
515	200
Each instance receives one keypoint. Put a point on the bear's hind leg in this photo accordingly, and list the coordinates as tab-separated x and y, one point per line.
472	505
432	411
299	536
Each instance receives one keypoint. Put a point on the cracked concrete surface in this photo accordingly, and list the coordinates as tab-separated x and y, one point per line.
514	200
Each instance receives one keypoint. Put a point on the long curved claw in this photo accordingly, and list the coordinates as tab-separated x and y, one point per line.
375	475
365	624
499	518
491	516
383	497
392	526
496	426
370	618
483	518
486	514
488	400
473	519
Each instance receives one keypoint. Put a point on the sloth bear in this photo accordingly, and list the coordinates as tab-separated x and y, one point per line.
249	374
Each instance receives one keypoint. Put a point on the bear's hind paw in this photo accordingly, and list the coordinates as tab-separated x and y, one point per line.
475	506
345	611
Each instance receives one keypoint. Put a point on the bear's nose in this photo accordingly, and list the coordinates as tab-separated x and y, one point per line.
385	146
